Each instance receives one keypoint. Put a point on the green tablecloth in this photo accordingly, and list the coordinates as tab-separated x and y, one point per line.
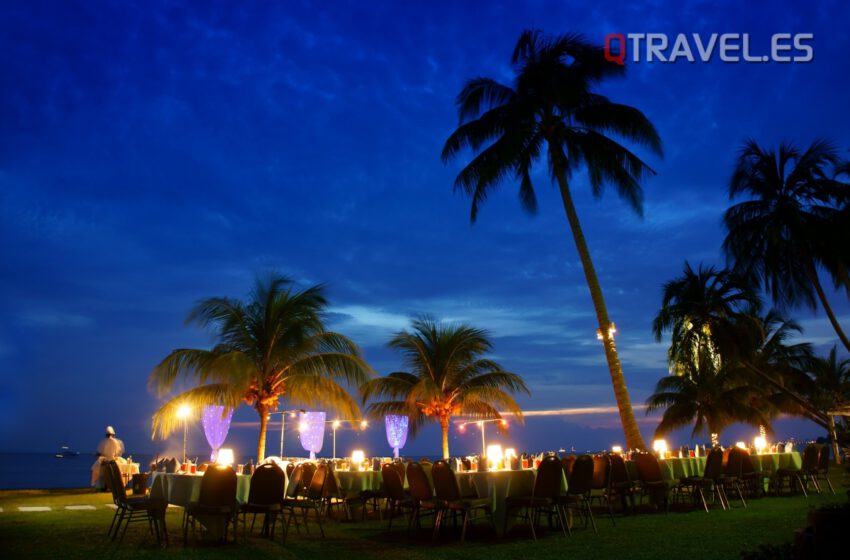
771	462
675	468
352	482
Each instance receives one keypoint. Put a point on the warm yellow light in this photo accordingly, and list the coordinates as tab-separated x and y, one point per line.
292	415
760	443
225	457
504	423
336	424
364	424
302	426
183	411
510	453
357	457
616	449
741	445
494	455
660	447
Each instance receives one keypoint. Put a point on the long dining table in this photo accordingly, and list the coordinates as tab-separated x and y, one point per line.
676	468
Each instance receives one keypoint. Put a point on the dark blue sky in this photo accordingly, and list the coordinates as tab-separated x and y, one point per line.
154	153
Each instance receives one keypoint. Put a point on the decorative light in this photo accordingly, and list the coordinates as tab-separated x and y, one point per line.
312	432
183	411
660	447
357	458
216	422
364	424
741	445
616	449
494	456
225	457
612	329
396	427
336	424
510	453
760	443
715	439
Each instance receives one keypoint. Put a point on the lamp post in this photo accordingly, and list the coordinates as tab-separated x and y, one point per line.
183	413
336	424
481	423
283	414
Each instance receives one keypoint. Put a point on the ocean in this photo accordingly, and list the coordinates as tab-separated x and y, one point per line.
20	471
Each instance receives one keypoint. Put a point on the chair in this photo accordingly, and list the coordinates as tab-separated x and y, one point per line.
544	496
135	509
217	498
307	470
579	488
448	492
619	485
801	476
732	473
601	472
711	479
822	470
393	483
422	495
313	501
753	480
652	481
264	496
335	495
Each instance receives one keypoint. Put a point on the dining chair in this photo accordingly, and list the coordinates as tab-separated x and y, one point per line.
620	485
579	488
448	492
397	499
312	501
821	472
544	497
424	502
133	509
652	481
217	498
265	496
711	480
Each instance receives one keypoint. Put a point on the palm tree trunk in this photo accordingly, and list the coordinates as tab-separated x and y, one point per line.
816	415
634	440
833	436
813	276
444	426
264	424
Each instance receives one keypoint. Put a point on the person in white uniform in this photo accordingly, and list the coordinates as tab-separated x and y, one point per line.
108	449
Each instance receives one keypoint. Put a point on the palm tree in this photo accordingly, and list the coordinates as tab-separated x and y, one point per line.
706	396
448	376
705	310
788	229
830	390
274	345
551	108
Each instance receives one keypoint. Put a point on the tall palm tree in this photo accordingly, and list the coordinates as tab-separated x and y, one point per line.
552	110
706	396
704	311
271	346
830	390
786	230
447	376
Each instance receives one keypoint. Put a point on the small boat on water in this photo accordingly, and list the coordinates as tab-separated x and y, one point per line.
66	453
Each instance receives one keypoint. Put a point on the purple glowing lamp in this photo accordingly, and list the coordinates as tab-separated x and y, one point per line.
312	430
216	422
396	432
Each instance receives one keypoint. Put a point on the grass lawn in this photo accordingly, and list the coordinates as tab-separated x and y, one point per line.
66	533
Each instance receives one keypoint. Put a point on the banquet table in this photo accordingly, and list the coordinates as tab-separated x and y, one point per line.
352	482
678	468
127	471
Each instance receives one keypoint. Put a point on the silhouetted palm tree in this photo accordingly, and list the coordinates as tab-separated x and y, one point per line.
705	311
448	376
787	229
830	389
552	111
273	345
707	397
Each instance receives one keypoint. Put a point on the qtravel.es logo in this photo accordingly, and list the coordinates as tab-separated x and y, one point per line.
695	47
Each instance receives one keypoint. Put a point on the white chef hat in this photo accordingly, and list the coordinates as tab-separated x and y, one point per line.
110	430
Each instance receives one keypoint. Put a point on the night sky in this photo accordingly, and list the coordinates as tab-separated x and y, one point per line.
155	153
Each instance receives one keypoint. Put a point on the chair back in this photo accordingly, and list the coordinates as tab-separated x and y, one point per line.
293	488
420	487
619	472
445	482
568	463
713	465
392	482
115	482
747	466
550	474
734	463
581	479
267	484
307	470
823	458
648	468
810	457
333	488
218	487
400	470
601	471
316	489
289	468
